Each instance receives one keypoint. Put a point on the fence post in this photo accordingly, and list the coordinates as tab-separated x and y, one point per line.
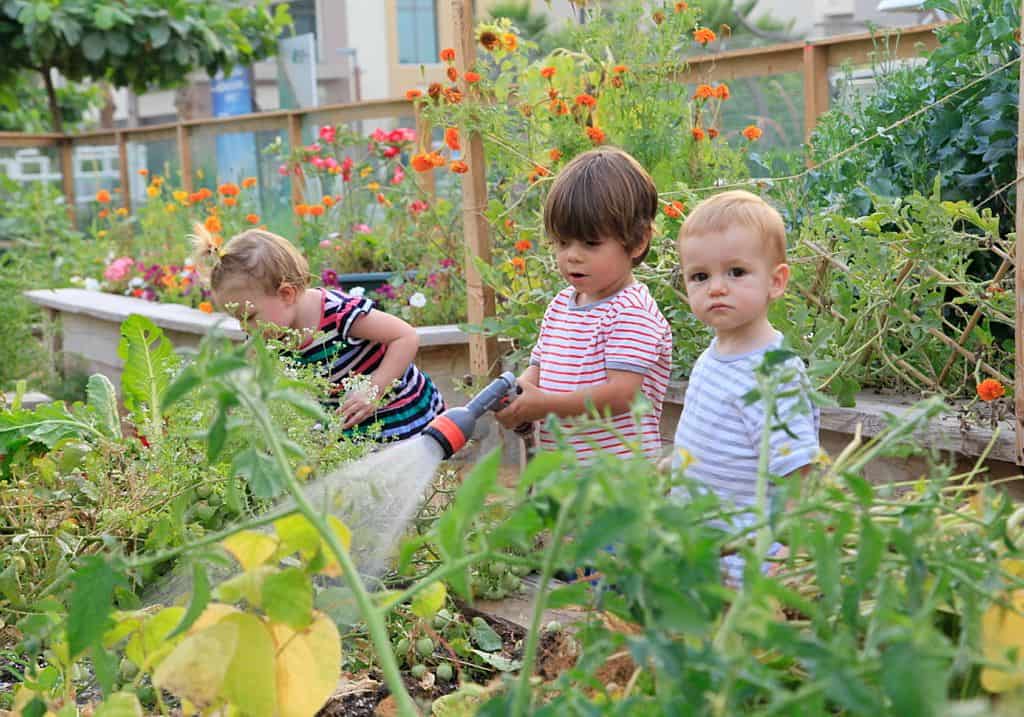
66	148
185	156
423	133
1018	276
294	142
122	161
816	89
483	350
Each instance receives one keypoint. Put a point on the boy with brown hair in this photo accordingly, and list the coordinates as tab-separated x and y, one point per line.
603	339
732	249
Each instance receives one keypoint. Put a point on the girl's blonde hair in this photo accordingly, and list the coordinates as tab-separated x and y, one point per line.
258	257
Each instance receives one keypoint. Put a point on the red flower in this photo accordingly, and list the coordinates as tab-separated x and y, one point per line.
698	133
252	218
103	196
447	54
248	182
451	138
228	190
459	167
596	135
703	92
555	154
620	69
471	77
316	210
722	91
452	73
518	263
524	245
752	132
675	209
712	132
413	94
990	390
585	100
547	72
421	162
680	6
703	35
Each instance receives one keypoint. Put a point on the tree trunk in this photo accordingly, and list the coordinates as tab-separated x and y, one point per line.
51	95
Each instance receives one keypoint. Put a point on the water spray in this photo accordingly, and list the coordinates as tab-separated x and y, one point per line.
455	426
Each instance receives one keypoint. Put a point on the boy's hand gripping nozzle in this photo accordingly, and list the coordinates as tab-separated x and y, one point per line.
456	425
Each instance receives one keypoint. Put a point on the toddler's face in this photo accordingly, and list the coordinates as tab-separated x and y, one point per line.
253	308
730	279
597	269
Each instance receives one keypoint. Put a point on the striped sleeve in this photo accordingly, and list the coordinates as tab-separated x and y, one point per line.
350	310
537	354
635	340
794	446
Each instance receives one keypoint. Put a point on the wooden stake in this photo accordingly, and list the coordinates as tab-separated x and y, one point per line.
67	171
483	350
185	157
816	89
1018	276
122	166
294	142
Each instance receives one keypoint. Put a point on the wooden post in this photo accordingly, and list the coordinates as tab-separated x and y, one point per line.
185	157
295	141
1018	275
423	133
816	89
67	173
122	161
483	350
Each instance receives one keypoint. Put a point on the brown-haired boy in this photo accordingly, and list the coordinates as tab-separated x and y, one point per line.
603	339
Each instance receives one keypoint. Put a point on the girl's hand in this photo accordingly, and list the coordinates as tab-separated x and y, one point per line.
528	406
356	408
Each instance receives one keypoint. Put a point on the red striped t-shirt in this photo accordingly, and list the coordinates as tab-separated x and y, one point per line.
579	344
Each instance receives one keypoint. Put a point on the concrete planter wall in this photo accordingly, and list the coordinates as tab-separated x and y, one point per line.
89	337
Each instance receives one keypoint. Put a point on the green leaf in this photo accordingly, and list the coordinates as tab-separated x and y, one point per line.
120	704
149	362
602	531
250	682
452	526
258	471
484	636
102	398
288	598
499	662
429	600
340	605
151	643
104	17
183	383
91	601
216	434
200	598
539	467
94	46
104	666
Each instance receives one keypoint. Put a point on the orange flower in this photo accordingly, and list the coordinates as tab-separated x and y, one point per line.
421	162
459	167
489	40
752	132
712	132
680	6
121	212
675	209
524	245
555	154
228	190
658	17
413	94
436	159
103	214
540	171
248	182
559	107
617	81
518	263
302	209
471	77
381	199
703	35
596	135
722	91
206	307
205	193
585	100
452	73
195	197
317	210
103	196
453	95
451	138
143	172
698	133
328	201
547	72
990	390
229	201
447	54
252	218
703	92
620	69
510	41
213	224
434	89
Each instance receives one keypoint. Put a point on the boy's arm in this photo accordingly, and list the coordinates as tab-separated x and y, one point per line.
614	396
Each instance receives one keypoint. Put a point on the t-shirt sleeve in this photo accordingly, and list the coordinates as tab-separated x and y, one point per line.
635	340
537	354
350	310
796	447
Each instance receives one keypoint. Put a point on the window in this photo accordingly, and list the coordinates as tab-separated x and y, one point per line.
417	31
303	14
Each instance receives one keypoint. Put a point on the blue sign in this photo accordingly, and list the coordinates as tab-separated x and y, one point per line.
236	152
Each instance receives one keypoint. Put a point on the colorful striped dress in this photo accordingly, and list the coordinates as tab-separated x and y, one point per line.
411	404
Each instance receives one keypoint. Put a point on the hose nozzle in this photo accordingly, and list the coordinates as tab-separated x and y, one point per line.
456	425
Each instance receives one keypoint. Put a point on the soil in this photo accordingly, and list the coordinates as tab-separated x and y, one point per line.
354	698
558	652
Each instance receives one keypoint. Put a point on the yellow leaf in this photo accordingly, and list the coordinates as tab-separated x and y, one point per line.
214	613
195	670
428	601
296	534
248	585
250	548
1002	629
149	645
344	535
308	664
249	682
119	704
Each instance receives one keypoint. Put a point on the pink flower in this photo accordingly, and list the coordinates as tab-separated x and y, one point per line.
318	162
408	134
447	263
390	151
362	229
325	243
314	148
418	206
379	135
396	135
119	269
283	170
432	280
399	175
328	133
346	169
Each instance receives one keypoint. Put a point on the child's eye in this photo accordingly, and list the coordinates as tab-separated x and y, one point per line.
593	242
698	276
737	272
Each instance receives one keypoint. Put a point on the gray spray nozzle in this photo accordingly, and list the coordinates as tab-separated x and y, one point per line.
455	426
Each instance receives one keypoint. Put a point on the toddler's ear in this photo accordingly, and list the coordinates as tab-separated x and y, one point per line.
780	279
288	293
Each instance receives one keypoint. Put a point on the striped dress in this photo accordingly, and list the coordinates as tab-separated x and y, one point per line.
410	405
579	344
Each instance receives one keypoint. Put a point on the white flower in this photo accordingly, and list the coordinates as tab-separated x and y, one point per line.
137	282
357	291
76	279
92	284
418	300
59	261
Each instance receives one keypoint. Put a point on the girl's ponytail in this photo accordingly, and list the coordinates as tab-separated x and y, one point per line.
206	252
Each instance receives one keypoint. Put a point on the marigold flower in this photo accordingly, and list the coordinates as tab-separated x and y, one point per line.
510	41
103	196
195	197
722	91
206	307
451	138
620	69
447	54
471	77
143	172
328	201
121	212
585	100
752	132
316	210
712	132
658	17
152	191
228	190
617	81
205	193
452	74
381	199
555	154
459	167
103	214
413	94
434	89
547	72
248	182
681	6
675	209
170	208
489	40
541	170
180	196
436	159
559	107
421	162
524	245
252	218
703	92
596	135
518	263
302	209
698	133
703	35
213	224
373	186
229	201
990	390
453	95
101	233
157	181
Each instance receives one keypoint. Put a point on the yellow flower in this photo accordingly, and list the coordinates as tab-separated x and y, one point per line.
199	174
302	472
181	196
365	171
152	190
121	212
374	186
157	181
686	459
101	233
170	208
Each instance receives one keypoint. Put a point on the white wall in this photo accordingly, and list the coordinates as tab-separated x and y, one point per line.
368	33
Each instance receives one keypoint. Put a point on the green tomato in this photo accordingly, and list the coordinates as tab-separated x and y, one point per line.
146	695
418	670
128	669
424	647
203	490
497	568
494	594
444	672
553	626
215	500
511	583
402	647
204	511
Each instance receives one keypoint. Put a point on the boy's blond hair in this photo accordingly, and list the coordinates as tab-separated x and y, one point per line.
256	256
738	208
